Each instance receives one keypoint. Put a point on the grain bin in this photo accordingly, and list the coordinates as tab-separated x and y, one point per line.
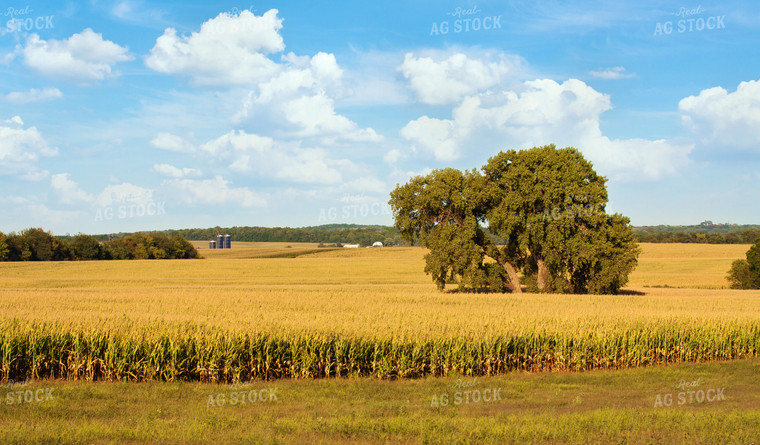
212	244
227	242
219	242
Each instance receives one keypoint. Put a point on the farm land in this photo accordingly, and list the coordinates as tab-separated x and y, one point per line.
290	343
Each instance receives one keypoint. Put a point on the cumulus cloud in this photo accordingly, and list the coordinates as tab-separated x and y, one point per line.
442	78
174	172
435	136
124	193
82	57
393	156
33	95
567	114
614	73
289	98
230	49
315	116
170	142
263	155
21	148
68	190
295	103
214	191
726	119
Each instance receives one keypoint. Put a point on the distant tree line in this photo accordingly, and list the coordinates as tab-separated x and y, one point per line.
695	234
35	244
327	234
390	236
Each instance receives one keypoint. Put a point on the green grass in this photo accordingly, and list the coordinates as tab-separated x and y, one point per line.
592	407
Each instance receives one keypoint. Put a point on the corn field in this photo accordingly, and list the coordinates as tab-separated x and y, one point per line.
368	313
29	350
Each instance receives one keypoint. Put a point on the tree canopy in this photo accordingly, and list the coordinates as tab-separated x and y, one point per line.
745	274
547	205
38	245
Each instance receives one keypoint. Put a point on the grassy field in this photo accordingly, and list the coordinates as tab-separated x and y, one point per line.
371	312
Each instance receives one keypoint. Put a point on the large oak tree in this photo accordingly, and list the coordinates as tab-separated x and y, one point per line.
547	206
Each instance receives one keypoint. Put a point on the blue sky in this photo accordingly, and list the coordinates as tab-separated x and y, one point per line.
128	115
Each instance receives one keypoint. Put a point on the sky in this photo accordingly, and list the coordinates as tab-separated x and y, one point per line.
122	116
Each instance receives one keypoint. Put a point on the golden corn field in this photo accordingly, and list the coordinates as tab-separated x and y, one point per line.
363	312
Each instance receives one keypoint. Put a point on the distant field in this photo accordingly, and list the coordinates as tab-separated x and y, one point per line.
686	265
377	301
248	250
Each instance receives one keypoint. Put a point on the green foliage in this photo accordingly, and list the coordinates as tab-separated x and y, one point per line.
3	247
152	246
85	247
35	245
707	234
546	205
195	353
38	245
327	234
745	274
443	211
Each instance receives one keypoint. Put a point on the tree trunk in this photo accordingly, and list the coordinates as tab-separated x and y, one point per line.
543	276
514	280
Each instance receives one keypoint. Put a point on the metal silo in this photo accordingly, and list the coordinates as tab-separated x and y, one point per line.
227	242
219	242
212	244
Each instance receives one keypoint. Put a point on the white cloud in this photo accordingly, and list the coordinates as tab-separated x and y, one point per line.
292	98
214	191
174	172
170	142
725	119
21	149
367	184
33	95
435	136
251	152
82	57
614	73
315	116
124	193
309	166
230	49
442	78
238	142
393	156
544	112
296	104
68	190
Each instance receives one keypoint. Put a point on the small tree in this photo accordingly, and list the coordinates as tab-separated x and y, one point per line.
745	274
38	245
3	247
85	247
